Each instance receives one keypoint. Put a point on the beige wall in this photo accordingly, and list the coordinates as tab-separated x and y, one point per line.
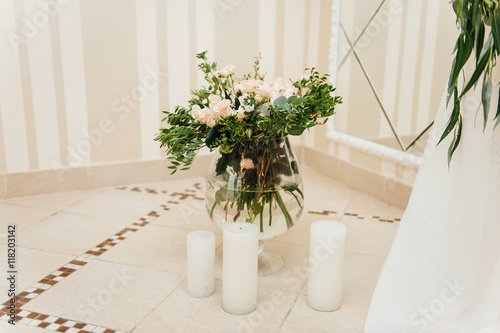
83	82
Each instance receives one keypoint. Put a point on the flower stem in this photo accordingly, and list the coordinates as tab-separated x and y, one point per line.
281	204
270	207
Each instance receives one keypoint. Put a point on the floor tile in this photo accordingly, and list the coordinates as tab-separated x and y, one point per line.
181	313
112	203
57	201
350	318
369	236
69	233
367	205
189	214
155	247
22	216
299	233
111	295
32	266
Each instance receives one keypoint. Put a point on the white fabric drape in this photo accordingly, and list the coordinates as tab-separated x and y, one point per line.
442	274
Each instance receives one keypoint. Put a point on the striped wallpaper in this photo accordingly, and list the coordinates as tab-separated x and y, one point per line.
82	82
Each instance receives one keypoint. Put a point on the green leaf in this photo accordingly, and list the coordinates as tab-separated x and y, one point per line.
456	141
495	27
486	97
221	165
479	41
498	105
291	99
464	46
298	101
481	65
455	114
296	130
456	7
212	135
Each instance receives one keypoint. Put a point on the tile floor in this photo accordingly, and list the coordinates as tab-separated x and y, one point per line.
113	260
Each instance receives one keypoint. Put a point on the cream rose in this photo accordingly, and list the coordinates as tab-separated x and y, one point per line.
249	85
213	99
209	117
226	71
240	114
195	112
246	163
266	90
240	87
223	107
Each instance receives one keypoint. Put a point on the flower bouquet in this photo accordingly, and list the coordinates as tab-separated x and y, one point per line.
254	176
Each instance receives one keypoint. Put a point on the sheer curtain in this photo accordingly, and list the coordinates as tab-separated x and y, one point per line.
443	271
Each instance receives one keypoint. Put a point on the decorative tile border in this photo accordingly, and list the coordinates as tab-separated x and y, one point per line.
140	189
354	215
57	324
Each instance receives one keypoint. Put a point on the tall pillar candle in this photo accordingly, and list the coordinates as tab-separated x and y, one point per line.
239	267
200	263
326	261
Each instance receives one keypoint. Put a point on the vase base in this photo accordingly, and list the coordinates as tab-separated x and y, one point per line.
270	263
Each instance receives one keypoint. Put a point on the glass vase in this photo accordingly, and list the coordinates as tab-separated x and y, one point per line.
259	184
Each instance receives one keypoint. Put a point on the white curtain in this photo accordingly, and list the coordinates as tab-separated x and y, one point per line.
442	274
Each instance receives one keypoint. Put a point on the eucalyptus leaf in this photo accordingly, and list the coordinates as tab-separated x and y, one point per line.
280	101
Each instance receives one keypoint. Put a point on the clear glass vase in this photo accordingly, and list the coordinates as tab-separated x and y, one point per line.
259	184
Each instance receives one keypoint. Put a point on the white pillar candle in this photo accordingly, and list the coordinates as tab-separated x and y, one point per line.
326	261
239	267
200	263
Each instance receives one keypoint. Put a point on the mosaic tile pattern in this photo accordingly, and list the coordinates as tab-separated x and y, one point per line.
354	215
57	324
